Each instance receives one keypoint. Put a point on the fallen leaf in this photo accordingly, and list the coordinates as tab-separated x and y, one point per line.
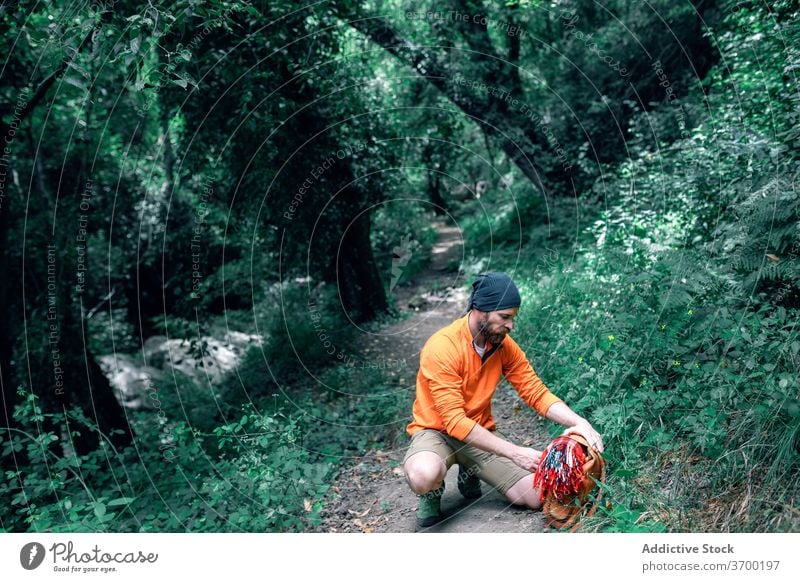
307	505
359	514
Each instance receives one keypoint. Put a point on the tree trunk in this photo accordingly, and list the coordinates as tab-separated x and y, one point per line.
360	285
169	156
87	388
435	194
434	179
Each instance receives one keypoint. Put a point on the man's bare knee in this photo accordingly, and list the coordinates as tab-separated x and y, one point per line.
425	471
523	493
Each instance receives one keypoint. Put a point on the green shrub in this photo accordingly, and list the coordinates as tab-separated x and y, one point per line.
254	474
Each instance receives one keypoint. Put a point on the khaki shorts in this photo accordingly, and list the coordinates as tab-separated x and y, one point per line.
499	472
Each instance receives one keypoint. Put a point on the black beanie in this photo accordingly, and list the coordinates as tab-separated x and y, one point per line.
493	292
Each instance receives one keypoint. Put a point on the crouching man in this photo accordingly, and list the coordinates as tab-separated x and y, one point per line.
460	366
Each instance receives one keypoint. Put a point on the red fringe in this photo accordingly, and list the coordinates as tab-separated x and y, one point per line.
560	470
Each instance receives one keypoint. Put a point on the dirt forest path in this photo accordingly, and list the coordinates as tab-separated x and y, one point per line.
370	494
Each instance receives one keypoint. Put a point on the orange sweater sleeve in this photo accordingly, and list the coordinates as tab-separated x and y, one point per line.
439	366
519	372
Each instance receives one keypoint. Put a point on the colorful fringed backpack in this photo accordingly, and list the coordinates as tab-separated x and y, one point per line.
568	472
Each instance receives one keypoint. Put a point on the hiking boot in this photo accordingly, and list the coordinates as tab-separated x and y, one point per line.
468	484
429	510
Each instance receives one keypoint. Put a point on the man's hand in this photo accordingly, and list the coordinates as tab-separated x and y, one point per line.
585	429
526	458
564	415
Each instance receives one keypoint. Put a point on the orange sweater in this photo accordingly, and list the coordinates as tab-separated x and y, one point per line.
455	388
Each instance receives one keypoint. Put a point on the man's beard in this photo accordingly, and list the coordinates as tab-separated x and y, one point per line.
492	338
495	338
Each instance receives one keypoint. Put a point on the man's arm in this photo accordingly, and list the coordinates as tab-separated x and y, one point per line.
565	416
526	457
485	440
519	372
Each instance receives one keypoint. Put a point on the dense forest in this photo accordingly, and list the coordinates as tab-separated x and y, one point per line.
206	207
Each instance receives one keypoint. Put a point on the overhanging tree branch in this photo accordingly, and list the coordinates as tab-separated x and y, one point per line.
519	142
45	85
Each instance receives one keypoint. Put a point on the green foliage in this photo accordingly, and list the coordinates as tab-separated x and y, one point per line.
359	405
748	33
666	362
272	482
303	329
254	474
673	326
110	331
764	242
402	238
56	490
264	470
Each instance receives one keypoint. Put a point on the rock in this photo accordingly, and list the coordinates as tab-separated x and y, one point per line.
417	302
154	344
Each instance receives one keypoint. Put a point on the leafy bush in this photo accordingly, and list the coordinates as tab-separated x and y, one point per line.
253	474
51	488
304	330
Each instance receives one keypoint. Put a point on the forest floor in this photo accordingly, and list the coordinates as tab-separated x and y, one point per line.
370	493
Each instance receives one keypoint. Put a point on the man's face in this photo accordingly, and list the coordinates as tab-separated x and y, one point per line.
495	325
